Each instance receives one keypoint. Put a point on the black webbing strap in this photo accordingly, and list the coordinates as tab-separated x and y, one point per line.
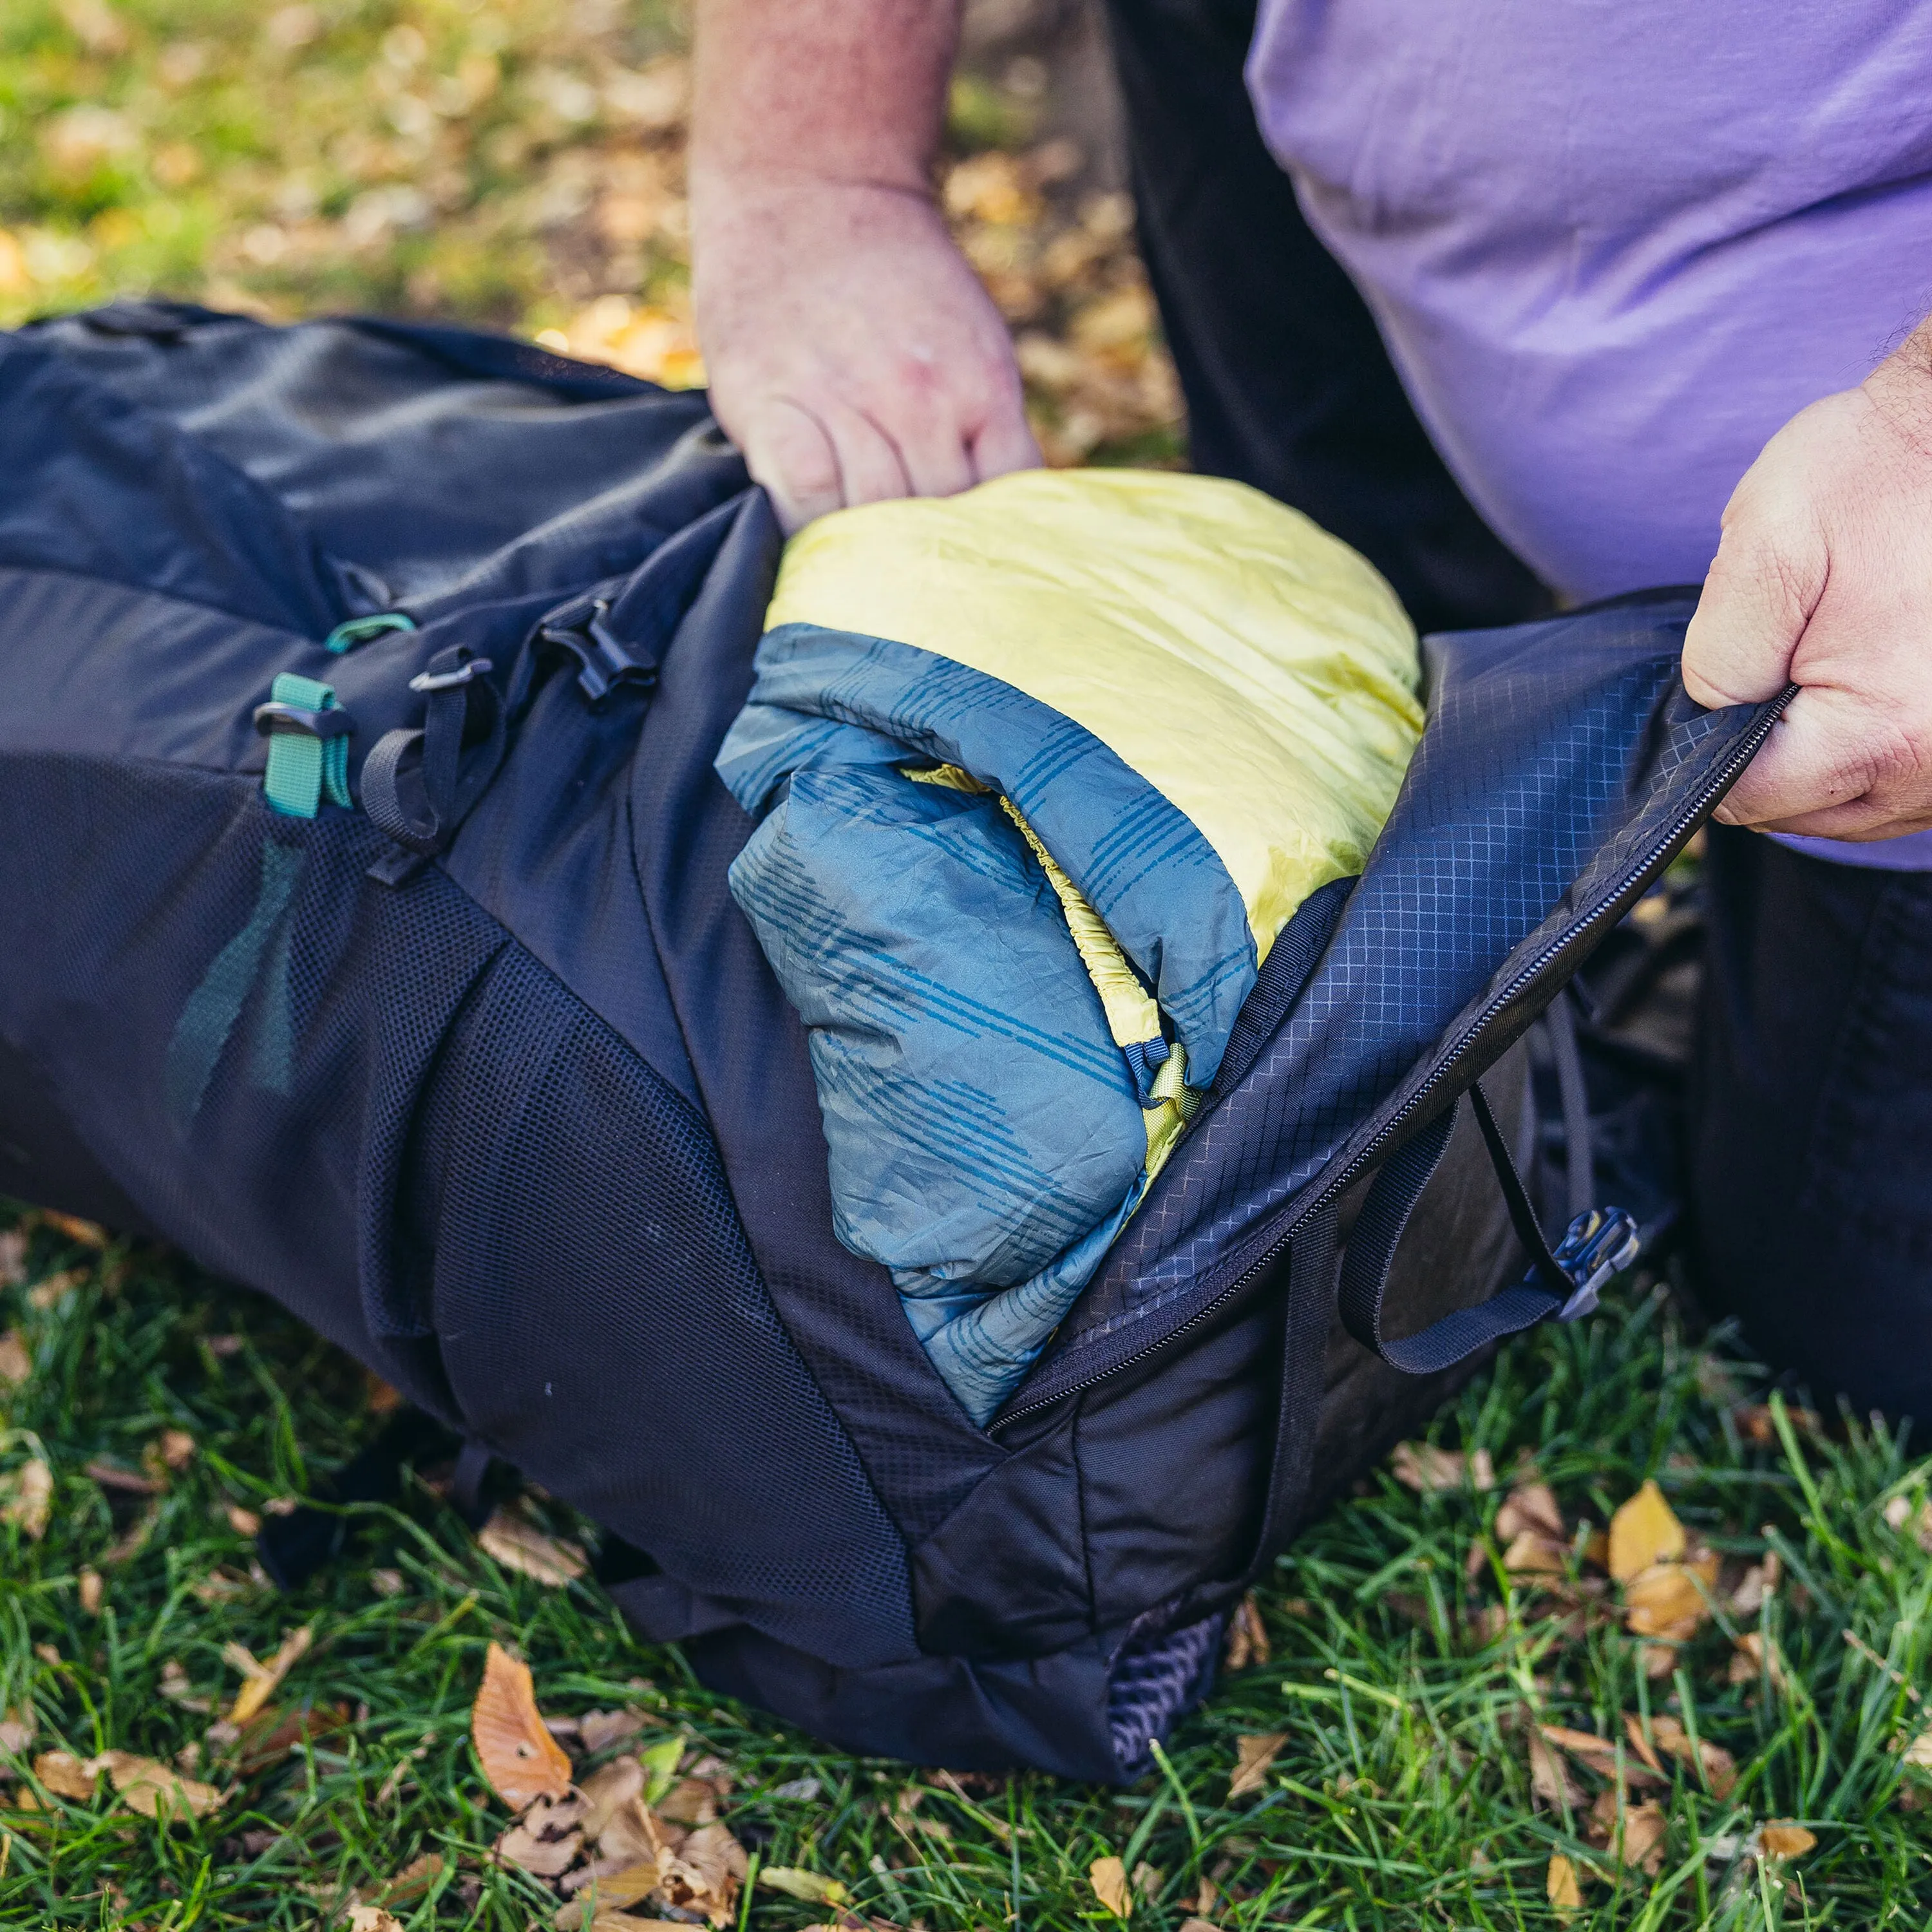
1311	1278
1544	1292
418	785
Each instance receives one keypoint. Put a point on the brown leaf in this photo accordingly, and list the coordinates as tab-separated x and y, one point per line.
1531	1508
1560	1886
1108	1878
1600	1754
136	1540
546	1841
55	1289
31	1505
706	1873
243	1522
1639	1840
67	1776
1759	1581
1755	1423
1550	1778
691	1801
17	1728
16	1363
1749	1660
598	1730
72	1228
1423	1468
1644	1531
812	1888
1199	1925
90	1590
1247	1636
274	1734
633	1835
154	1789
522	1761
260	1681
1532	1554
1781	1839
174	1448
414	1880
1718	1768
373	1918
517	1544
616	1784
1252	1756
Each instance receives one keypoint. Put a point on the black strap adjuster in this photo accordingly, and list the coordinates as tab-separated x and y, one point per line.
276	716
1601	1242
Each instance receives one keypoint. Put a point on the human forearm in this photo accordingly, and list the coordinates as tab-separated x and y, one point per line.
852	91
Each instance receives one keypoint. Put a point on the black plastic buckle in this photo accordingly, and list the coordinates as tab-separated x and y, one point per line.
276	716
470	669
603	662
1600	1242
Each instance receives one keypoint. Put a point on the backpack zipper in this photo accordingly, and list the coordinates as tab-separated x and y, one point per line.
1659	856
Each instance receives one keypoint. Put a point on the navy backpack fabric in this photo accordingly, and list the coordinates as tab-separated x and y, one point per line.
483	1072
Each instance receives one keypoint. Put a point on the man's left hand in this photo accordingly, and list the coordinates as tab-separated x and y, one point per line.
1823	579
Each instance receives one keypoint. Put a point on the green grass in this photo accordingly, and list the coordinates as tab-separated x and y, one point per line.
1400	1799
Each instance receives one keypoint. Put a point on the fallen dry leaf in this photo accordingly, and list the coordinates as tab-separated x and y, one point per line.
616	1784
260	1681
706	1874
1644	1531
90	1588
1532	1553
545	1840
598	1730
1919	1751
1639	1840
16	1365
1600	1754
633	1835
1756	1426
414	1880
1423	1468
274	1734
1247	1636
243	1522
1199	1925
522	1761
67	1776
55	1289
154	1789
1751	1659
136	1540
1759	1581
1560	1885
1531	1508
1549	1779
174	1449
812	1888
1252	1756
31	1505
1108	1878
17	1728
691	1801
517	1544
1718	1767
1670	1600
373	1918
1781	1839
83	1234
1149	1881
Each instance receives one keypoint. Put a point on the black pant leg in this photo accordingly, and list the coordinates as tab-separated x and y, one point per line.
1811	1146
1287	385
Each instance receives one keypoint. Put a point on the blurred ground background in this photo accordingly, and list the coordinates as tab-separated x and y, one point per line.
1442	1710
520	162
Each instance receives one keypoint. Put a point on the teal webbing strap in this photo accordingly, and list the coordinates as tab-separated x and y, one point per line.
208	1018
302	769
356	630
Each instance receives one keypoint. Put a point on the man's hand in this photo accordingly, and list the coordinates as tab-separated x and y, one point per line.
852	353
1823	578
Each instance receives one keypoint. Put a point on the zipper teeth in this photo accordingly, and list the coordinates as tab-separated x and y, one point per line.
1685	822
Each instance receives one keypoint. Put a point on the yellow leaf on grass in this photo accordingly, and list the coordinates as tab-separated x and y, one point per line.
812	1888
517	1544
1108	1878
1560	1884
520	1758
1644	1531
1782	1839
1253	1755
259	1680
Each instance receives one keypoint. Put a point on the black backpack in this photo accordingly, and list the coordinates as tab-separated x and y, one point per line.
460	1048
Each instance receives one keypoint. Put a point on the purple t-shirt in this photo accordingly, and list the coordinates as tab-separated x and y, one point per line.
1613	246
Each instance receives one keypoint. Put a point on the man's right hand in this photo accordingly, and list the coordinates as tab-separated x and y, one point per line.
852	353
